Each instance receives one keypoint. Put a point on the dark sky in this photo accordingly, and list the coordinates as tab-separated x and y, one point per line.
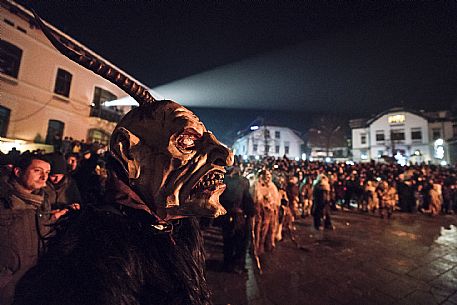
355	58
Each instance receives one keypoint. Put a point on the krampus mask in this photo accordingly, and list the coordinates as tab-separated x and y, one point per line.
166	154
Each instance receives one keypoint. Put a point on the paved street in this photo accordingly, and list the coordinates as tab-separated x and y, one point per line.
411	259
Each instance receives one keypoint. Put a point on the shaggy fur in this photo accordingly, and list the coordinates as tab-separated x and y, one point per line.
114	256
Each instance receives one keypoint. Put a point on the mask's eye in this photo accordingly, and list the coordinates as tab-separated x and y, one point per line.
187	141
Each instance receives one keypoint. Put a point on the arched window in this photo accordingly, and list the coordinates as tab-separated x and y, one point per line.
4	120
98	135
10	58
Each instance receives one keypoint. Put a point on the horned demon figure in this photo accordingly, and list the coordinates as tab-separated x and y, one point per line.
142	245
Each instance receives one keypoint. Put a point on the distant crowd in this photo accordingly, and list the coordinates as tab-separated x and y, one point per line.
265	197
418	188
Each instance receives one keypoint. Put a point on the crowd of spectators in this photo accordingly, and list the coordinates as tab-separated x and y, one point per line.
368	187
282	190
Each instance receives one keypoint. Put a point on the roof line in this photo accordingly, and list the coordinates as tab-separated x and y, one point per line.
67	37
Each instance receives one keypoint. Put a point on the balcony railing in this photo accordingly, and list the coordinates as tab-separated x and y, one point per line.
109	114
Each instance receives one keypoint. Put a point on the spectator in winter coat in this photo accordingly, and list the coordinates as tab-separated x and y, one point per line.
238	202
25	215
72	163
61	188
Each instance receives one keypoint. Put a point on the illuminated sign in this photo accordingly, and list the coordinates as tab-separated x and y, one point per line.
396	119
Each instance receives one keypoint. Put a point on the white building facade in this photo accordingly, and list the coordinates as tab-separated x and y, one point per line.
43	93
408	136
273	141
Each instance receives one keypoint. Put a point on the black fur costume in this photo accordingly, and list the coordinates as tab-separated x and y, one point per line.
119	254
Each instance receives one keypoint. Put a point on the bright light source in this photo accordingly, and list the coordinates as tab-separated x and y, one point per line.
297	159
439	152
257	157
417	153
303	156
5	147
443	163
327	159
275	166
349	162
311	159
400	158
364	156
245	157
255	127
124	101
396	119
439	142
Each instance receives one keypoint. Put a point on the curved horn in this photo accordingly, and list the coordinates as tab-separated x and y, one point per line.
87	60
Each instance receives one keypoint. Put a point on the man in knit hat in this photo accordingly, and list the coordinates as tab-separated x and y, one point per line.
62	190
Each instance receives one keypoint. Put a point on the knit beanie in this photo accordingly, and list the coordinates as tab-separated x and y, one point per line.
58	163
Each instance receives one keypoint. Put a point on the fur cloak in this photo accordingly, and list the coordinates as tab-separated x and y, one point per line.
119	254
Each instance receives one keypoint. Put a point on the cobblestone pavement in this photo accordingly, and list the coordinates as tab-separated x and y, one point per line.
410	259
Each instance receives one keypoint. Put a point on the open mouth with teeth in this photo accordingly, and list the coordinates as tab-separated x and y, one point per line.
203	198
208	183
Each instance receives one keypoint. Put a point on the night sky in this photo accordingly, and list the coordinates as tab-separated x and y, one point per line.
284	60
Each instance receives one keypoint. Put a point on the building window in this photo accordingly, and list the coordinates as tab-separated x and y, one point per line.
101	96
10	59
380	153
397	135
396	119
380	136
63	82
98	135
266	133
112	113
267	148
55	131
454	130
4	120
436	133
277	134
286	150
254	147
363	138
277	149
416	134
